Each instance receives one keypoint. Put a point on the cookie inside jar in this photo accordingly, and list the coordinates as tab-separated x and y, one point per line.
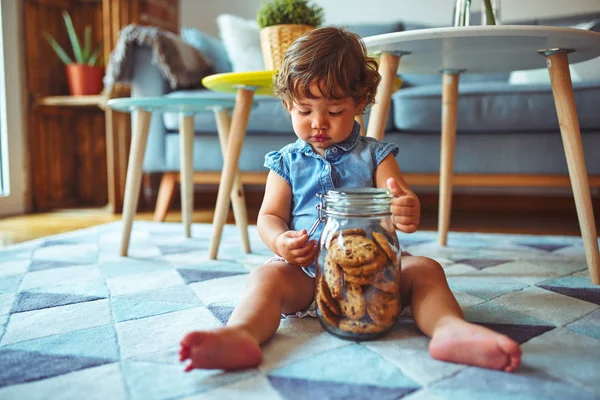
358	280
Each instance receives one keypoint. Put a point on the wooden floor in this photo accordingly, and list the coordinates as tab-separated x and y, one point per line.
532	216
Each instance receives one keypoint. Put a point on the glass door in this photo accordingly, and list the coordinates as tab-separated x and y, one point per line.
12	128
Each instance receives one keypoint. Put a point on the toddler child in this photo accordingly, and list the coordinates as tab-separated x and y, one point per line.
326	79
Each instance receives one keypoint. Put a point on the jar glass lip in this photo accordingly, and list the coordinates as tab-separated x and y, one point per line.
359	193
358	201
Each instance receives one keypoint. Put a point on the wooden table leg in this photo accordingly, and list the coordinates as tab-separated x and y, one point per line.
388	66
449	116
186	150
562	89
238	200
166	191
134	174
239	122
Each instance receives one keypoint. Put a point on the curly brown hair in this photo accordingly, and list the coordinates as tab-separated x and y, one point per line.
336	60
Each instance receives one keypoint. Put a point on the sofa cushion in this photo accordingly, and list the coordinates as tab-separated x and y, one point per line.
268	117
493	107
212	47
241	38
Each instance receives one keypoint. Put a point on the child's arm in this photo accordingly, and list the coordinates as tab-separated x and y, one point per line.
406	209
273	220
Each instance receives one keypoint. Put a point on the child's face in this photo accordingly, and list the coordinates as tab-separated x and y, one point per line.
322	122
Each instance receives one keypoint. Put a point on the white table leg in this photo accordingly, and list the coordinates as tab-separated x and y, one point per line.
134	174
562	88
239	122
388	66
238	200
186	151
449	116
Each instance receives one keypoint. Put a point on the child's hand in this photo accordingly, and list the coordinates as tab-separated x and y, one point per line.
405	208
295	247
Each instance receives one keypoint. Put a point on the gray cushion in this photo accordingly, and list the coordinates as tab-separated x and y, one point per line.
493	107
499	153
495	153
268	117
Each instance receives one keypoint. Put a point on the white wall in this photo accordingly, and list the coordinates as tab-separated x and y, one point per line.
201	14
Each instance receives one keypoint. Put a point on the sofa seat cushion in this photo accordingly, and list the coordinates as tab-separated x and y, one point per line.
268	117
493	107
494	153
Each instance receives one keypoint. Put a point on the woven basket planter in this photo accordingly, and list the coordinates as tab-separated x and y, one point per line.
275	40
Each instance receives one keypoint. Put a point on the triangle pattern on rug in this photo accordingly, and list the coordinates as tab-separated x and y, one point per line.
519	333
23	366
481	263
127	309
194	275
165	250
586	294
301	389
39	265
28	301
221	312
169	294
98	342
544	246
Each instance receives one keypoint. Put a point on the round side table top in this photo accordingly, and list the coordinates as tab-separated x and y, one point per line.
260	82
187	105
483	49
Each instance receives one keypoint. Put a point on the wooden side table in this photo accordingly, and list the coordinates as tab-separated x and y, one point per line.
186	108
244	85
487	49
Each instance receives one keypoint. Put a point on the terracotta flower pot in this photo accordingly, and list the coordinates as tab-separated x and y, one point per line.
84	79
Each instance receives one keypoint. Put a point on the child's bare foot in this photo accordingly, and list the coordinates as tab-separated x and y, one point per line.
465	343
225	348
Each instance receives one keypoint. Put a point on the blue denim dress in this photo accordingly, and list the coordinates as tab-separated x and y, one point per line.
348	164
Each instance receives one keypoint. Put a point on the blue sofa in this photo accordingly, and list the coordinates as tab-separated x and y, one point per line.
504	130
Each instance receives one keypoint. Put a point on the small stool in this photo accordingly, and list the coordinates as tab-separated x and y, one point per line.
186	108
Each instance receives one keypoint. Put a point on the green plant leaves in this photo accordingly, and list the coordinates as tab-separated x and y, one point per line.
82	55
278	12
64	57
73	38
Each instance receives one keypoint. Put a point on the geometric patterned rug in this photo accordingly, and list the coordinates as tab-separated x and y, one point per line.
79	322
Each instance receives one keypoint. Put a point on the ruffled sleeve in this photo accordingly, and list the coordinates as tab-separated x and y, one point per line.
276	162
382	149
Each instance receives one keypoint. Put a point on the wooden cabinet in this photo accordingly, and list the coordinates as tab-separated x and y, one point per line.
77	148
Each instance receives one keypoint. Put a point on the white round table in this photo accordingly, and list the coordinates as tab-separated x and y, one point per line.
488	49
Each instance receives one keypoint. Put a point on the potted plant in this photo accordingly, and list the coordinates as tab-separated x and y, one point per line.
282	22
86	72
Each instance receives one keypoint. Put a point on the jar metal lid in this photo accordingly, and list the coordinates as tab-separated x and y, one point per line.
357	202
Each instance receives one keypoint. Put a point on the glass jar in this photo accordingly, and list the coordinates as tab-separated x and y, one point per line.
358	264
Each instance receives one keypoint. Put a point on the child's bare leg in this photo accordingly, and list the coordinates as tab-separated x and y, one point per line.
438	315
271	290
